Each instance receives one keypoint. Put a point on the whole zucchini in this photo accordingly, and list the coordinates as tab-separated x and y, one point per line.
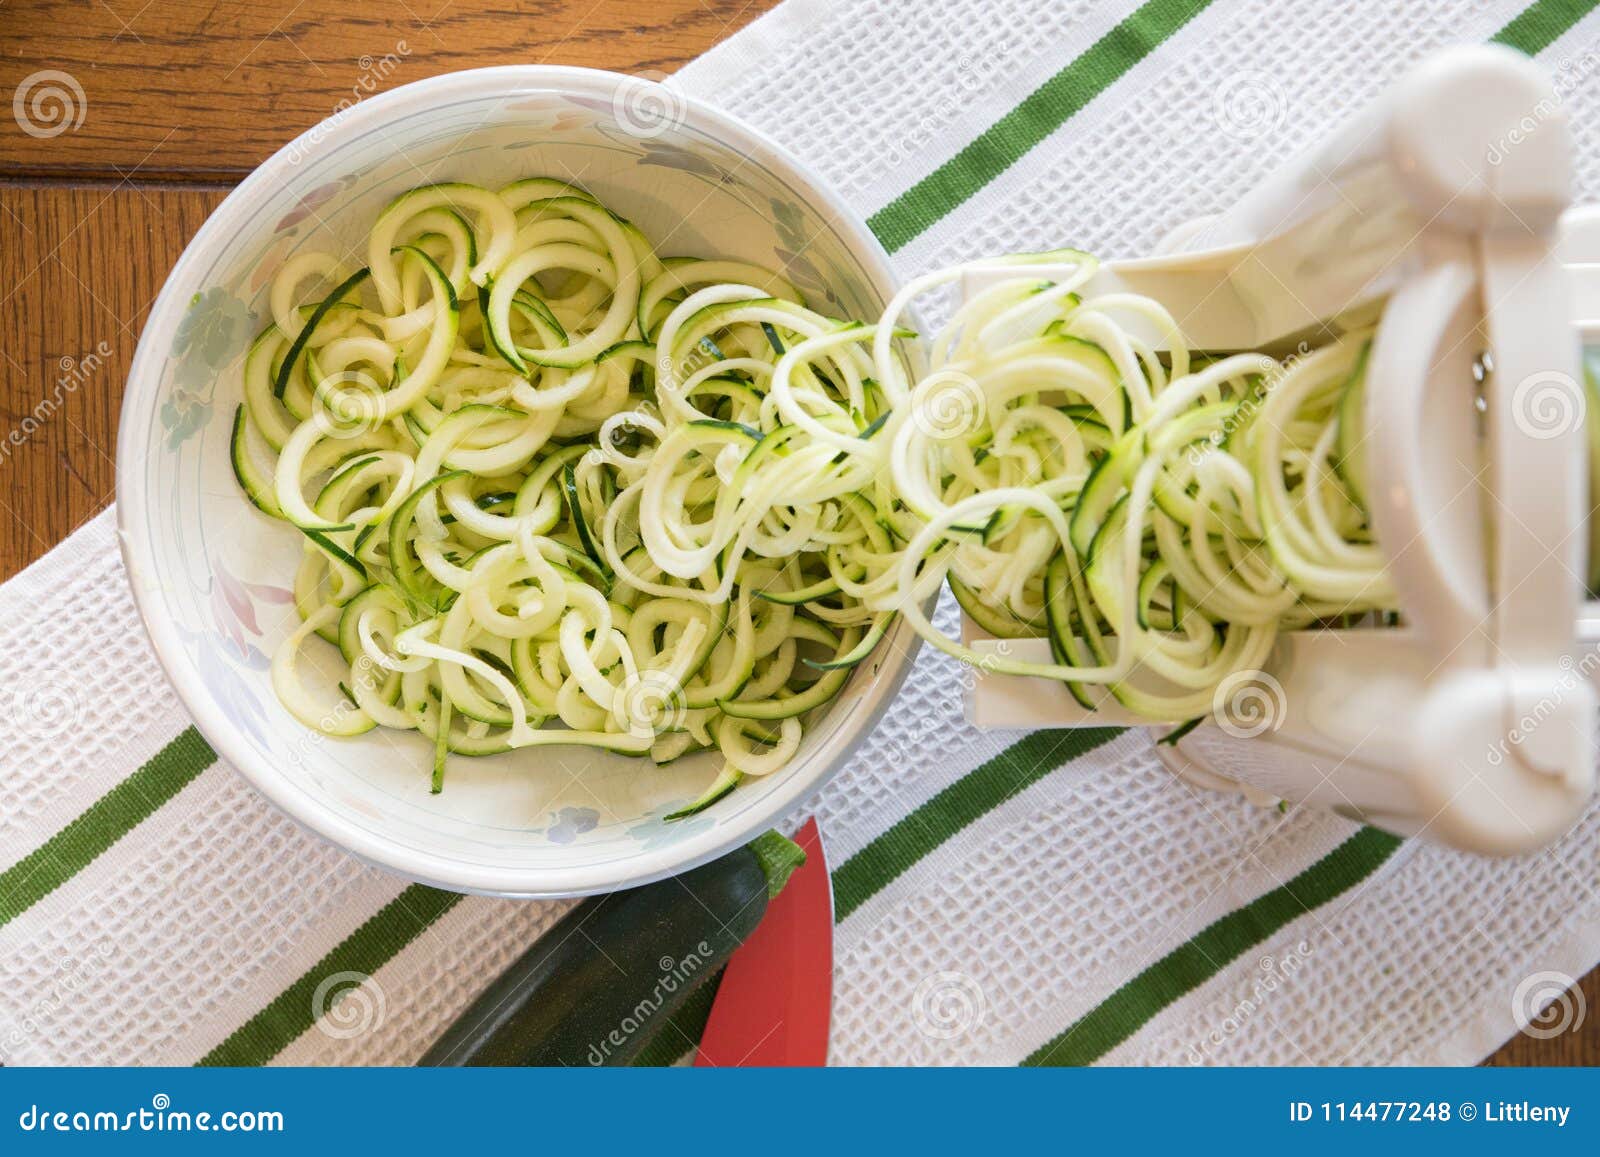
595	988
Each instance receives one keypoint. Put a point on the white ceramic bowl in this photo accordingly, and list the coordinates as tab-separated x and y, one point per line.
211	575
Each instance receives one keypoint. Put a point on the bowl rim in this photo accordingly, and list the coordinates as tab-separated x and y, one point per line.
141	394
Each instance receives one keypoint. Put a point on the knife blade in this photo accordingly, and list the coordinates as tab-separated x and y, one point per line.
775	1002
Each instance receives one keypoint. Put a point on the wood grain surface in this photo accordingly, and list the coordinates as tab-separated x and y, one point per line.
178	100
179	88
81	267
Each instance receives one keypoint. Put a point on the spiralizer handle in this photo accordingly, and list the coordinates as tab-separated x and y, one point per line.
1503	749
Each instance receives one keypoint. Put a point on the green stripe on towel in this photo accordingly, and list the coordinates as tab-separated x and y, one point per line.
1041	113
1189	965
942	816
1541	24
365	950
106	821
1066	93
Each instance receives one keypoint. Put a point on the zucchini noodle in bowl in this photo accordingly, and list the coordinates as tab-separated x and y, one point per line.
495	468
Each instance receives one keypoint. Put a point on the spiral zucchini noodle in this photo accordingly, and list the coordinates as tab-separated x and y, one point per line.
1159	518
546	497
554	489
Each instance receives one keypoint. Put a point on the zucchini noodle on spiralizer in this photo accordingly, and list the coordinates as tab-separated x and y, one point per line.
1159	516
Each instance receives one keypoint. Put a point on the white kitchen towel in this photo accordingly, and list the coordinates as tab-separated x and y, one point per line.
1057	897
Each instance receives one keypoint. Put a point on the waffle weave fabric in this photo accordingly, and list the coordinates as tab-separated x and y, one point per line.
1055	897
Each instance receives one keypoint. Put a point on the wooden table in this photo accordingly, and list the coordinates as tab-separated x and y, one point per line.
180	100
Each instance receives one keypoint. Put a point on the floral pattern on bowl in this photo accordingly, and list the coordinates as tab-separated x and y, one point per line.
213	577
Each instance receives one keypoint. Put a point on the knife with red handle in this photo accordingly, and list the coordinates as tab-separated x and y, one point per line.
775	1002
